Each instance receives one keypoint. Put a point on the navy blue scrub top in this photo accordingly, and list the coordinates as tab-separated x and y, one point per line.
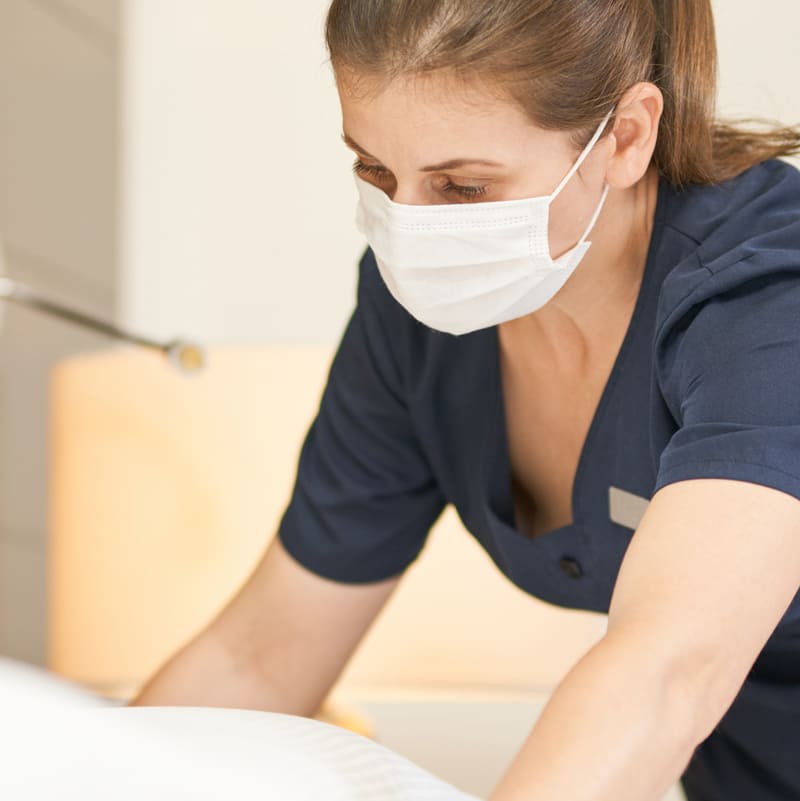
706	385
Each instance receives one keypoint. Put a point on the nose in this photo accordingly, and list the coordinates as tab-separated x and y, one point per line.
410	195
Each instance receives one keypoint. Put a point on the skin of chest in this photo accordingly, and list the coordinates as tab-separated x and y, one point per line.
549	403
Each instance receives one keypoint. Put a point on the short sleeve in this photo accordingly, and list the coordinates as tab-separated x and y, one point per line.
364	497
729	370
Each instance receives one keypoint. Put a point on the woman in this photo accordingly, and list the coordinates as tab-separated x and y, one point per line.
549	389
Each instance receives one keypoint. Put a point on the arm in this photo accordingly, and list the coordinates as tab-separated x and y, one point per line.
278	645
709	573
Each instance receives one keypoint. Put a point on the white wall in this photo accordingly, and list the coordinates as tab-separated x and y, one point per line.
758	59
238	206
58	197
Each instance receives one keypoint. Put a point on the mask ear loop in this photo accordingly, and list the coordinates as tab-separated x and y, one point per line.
588	149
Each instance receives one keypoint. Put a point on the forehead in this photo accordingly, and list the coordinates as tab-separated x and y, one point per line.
427	110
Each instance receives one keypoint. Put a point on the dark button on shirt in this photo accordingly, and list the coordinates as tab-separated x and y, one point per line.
571	567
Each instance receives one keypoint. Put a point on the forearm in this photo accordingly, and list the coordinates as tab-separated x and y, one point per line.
616	729
206	673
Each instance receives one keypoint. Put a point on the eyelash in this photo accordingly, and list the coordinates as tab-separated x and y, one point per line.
379	173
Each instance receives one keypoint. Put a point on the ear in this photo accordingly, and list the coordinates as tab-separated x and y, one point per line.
635	134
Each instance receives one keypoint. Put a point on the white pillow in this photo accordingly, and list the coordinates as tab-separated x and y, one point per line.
26	689
196	754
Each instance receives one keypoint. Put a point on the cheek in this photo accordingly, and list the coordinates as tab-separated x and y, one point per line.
566	212
570	214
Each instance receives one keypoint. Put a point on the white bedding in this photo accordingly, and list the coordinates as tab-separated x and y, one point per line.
60	742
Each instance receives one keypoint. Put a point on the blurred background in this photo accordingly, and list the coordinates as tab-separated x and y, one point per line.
175	166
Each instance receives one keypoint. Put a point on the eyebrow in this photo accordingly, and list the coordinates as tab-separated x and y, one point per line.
445	165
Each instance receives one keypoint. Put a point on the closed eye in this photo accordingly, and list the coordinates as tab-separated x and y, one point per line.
370	170
382	174
467	192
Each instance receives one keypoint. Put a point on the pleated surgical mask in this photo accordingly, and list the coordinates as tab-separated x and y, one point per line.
462	267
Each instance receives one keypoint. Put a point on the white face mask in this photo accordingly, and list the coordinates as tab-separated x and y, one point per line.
466	266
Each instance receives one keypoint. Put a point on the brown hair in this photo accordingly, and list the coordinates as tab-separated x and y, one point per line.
567	63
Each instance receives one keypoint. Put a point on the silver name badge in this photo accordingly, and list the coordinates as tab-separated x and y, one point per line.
626	508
